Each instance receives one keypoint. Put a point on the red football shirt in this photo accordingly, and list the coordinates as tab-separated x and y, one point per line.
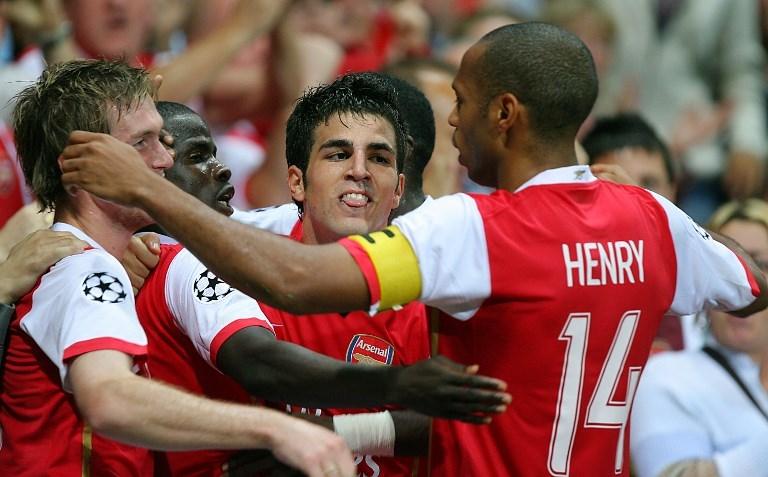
558	289
82	304
387	338
187	314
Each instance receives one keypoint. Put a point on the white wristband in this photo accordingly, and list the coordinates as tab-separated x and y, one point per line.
367	434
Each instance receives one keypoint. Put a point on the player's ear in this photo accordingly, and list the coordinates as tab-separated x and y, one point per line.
398	191
296	183
506	109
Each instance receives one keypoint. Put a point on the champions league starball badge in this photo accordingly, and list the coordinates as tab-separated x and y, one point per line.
209	288
102	287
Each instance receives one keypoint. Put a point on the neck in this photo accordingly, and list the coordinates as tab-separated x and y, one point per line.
524	163
111	234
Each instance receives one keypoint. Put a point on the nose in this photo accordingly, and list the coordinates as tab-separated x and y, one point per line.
162	157
453	118
223	173
358	167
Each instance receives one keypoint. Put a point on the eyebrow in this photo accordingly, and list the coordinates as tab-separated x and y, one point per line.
336	143
197	141
331	143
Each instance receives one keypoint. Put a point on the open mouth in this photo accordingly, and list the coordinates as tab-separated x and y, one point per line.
355	199
226	194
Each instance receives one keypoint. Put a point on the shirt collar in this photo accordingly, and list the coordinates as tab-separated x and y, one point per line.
62	227
560	175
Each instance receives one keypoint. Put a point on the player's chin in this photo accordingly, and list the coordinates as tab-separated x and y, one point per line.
223	208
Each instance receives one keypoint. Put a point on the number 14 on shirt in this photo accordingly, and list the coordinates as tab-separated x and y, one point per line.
602	411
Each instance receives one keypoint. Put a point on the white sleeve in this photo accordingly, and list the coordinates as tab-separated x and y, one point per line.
448	238
278	220
709	274
205	307
83	304
664	429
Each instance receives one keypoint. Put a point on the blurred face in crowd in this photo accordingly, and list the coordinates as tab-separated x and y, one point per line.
195	167
645	168
351	183
111	28
442	175
748	335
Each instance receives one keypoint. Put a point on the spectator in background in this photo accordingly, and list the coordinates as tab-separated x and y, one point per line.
627	140
626	144
471	29
698	67
596	27
443	174
704	413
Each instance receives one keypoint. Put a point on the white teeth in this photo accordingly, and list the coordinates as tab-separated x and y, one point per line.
354	197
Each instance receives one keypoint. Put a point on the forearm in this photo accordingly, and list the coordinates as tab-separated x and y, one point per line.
149	414
387	433
285	372
269	268
192	72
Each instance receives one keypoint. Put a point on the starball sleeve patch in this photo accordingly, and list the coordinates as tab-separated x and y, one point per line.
102	287
396	265
209	288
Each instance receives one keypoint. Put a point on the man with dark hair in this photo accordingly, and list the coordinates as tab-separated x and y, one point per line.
555	283
432	79
199	336
417	114
73	398
628	141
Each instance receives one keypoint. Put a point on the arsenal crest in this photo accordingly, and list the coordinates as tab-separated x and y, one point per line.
370	349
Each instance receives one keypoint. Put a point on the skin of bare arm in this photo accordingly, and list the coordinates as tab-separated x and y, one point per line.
272	269
126	407
282	371
205	59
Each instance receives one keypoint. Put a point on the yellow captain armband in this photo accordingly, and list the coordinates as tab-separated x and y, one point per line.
396	265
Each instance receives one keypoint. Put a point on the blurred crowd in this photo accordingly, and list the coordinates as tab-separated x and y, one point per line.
681	110
693	69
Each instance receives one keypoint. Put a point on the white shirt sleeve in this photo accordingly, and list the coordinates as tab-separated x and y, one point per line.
83	304
205	307
278	220
709	274
448	238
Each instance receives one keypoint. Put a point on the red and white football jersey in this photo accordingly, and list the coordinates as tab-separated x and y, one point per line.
82	304
387	338
558	289
187	313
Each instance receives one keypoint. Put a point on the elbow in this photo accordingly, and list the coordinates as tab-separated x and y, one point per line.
105	412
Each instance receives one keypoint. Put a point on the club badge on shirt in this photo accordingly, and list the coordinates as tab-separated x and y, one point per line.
369	349
102	287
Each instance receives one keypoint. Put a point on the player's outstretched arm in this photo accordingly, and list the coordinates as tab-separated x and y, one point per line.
285	372
272	269
134	410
